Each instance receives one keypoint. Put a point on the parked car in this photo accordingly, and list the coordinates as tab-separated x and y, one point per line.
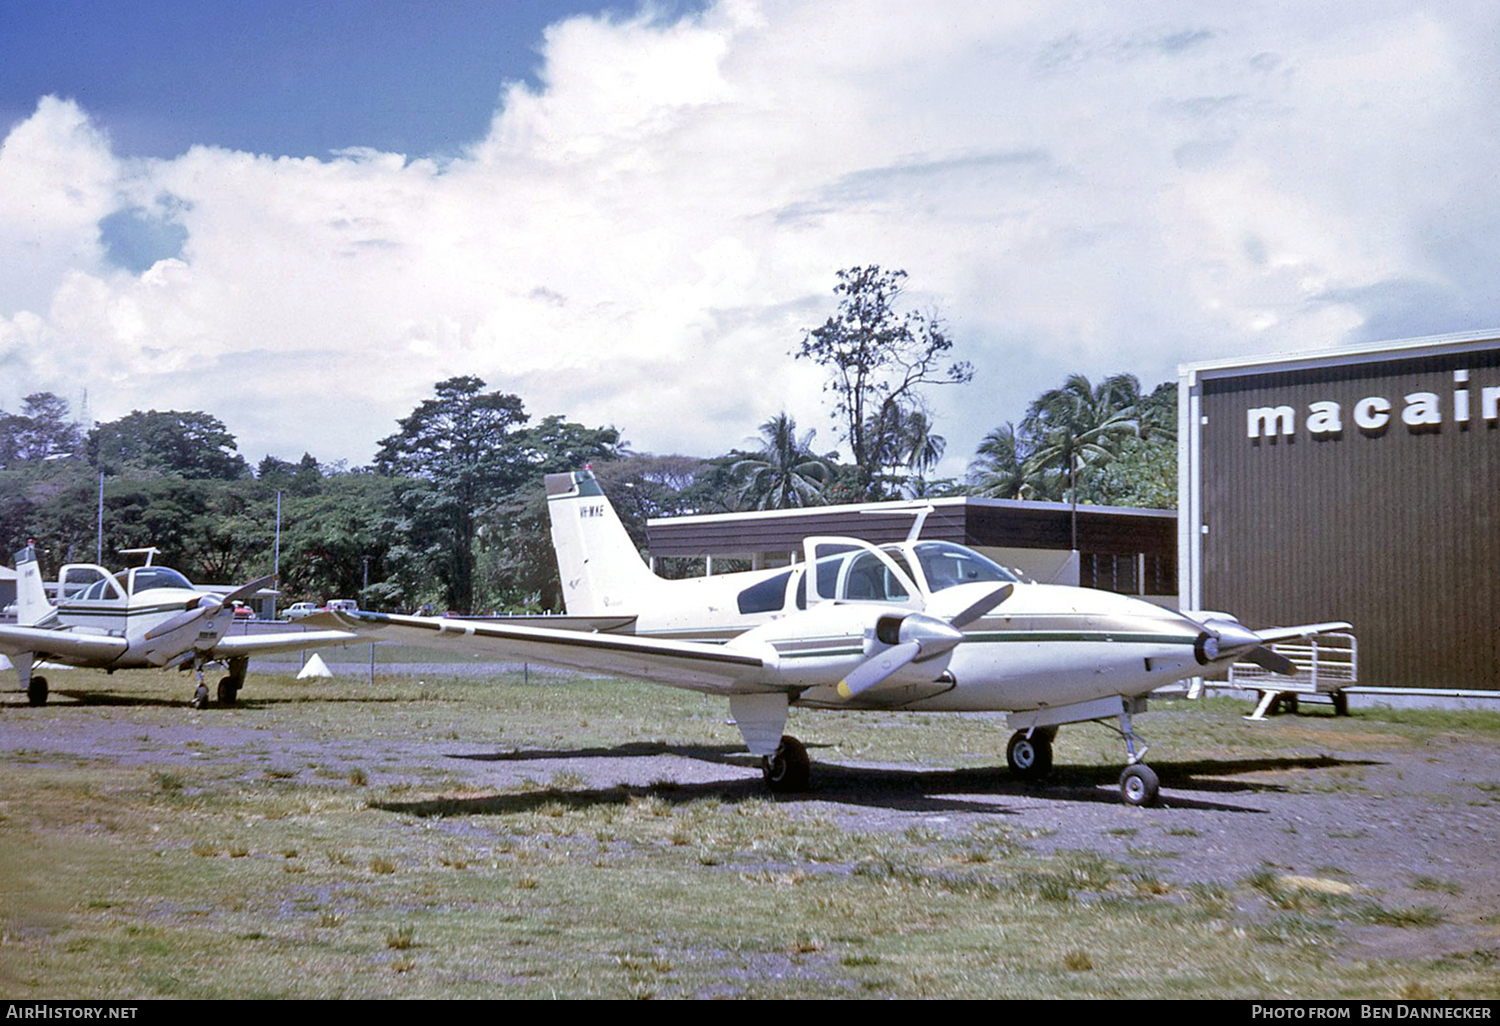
341	605
297	610
243	612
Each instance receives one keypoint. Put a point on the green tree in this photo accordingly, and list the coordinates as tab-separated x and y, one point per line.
999	469
911	450
516	568
191	445
43	430
1077	428
462	448
784	474
1143	471
333	538
878	360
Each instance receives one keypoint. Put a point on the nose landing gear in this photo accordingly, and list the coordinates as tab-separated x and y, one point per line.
1139	785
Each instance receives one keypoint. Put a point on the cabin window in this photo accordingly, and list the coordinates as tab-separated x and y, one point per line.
766	597
870	580
88	584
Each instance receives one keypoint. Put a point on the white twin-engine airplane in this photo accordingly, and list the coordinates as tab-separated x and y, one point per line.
924	626
147	616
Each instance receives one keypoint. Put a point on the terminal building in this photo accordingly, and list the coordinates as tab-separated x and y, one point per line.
1358	484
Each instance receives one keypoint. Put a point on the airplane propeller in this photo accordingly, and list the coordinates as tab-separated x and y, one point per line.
205	606
915	638
1221	639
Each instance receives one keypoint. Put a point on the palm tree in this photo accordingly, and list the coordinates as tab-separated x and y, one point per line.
999	469
1078	427
784	474
905	443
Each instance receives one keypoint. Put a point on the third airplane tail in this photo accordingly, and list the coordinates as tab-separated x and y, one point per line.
32	606
602	572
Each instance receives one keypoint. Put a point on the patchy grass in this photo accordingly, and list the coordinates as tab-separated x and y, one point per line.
215	870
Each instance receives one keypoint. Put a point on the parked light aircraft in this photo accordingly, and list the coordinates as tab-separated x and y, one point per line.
146	616
925	626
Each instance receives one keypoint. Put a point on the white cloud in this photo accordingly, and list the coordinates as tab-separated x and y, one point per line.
643	239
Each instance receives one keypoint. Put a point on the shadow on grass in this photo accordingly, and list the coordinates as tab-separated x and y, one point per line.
894	789
107	698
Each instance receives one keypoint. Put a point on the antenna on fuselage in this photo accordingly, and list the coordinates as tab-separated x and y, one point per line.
150	552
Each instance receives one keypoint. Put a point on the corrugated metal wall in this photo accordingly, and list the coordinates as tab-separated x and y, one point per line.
1396	530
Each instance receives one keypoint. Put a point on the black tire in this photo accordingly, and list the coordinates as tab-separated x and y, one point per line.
36	691
200	697
789	770
1139	786
228	691
1030	758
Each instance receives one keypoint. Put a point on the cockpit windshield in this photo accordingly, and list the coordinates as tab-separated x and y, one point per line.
151	578
946	565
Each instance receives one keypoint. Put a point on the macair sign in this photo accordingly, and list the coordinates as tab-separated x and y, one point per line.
1373	415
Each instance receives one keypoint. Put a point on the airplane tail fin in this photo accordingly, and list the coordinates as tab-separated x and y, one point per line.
601	570
32	606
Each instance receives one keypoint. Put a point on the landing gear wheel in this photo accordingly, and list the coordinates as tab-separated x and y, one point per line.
789	770
200	697
228	691
1138	785
36	691
1030	758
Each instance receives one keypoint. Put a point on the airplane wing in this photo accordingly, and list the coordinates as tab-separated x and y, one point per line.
283	641
60	644
714	669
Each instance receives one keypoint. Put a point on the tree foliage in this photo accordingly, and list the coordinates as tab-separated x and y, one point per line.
460	448
785	474
877	360
191	445
1108	444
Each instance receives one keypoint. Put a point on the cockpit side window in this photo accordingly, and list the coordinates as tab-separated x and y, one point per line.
946	565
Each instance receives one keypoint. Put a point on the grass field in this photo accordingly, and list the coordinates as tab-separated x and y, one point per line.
292	847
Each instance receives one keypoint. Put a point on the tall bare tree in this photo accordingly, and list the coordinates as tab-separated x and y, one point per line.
878	359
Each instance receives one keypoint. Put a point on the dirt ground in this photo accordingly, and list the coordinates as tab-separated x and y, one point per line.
1417	826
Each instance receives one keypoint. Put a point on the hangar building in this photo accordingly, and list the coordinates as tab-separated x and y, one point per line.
1358	484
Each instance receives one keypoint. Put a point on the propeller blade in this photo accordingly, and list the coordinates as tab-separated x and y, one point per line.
1273	661
181	620
983	606
878	667
246	590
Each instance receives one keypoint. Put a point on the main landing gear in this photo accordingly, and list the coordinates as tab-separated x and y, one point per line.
1029	754
787	770
229	687
36	691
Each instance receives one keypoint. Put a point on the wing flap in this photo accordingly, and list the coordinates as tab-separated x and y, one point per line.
684	664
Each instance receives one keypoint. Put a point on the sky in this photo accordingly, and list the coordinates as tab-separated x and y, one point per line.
299	217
